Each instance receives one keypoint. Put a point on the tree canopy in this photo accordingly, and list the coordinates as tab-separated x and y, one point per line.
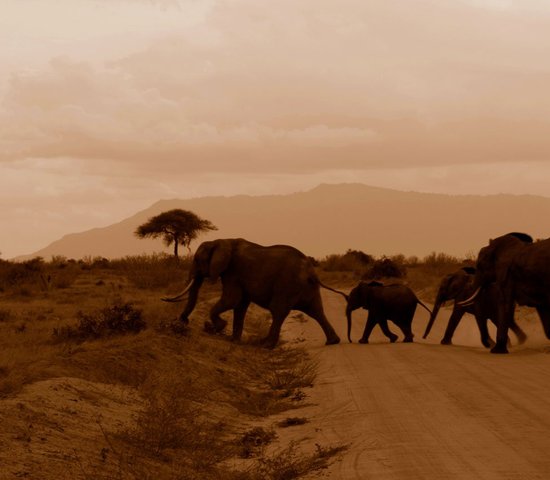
176	226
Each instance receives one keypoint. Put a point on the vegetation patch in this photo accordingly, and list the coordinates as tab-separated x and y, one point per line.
292	422
255	440
289	463
117	319
196	391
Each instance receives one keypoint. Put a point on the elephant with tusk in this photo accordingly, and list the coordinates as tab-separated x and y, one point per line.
520	270
278	278
458	286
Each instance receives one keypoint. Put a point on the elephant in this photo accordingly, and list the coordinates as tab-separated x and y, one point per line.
458	286
278	278
394	302
520	270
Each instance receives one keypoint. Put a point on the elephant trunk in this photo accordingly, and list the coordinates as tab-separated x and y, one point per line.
439	301
192	299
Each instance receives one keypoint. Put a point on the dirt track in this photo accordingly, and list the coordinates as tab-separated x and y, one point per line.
427	411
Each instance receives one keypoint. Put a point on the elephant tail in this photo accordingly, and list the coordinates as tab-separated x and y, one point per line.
333	290
420	303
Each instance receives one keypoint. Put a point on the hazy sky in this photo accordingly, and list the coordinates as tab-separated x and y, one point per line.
109	105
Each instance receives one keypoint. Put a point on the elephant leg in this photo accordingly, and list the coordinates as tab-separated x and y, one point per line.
386	330
230	299
279	315
371	323
486	340
544	314
522	336
505	318
456	316
315	310
238	319
217	323
405	327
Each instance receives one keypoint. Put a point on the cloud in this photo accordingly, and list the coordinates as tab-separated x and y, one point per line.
298	88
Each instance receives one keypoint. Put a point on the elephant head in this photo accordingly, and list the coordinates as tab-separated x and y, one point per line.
210	261
454	286
359	297
494	261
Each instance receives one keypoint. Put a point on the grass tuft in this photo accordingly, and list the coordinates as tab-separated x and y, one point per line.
117	319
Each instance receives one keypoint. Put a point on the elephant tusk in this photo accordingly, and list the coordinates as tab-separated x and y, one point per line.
179	296
471	299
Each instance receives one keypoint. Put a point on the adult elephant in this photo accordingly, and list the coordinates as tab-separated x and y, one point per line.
278	278
458	286
520	269
384	302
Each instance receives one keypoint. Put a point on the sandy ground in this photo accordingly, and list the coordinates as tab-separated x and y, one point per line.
407	411
53	428
428	411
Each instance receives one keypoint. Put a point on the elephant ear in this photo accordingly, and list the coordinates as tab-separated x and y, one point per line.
469	270
522	236
221	256
374	283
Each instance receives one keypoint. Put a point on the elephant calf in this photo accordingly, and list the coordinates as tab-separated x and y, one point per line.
392	302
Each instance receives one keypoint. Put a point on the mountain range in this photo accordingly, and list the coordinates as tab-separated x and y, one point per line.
332	218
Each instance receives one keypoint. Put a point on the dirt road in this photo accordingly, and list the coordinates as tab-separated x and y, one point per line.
427	411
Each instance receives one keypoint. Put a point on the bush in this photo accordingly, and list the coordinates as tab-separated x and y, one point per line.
113	320
383	268
441	260
23	274
352	260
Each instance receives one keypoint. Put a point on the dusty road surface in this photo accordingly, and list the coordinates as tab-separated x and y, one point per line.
427	411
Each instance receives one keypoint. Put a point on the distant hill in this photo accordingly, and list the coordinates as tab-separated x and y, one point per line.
331	219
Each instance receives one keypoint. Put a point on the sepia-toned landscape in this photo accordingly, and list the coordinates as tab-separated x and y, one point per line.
246	240
100	379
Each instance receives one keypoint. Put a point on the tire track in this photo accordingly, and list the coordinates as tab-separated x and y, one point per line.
422	411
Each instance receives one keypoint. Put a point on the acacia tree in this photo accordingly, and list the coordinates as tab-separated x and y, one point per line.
176	226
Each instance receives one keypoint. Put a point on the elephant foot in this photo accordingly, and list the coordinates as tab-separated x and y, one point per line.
364	340
184	320
333	341
488	343
499	349
214	328
521	337
446	341
268	342
408	340
393	338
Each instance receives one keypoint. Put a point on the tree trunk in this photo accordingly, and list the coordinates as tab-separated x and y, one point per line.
176	247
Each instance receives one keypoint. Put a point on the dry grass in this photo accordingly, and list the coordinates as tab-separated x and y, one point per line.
195	394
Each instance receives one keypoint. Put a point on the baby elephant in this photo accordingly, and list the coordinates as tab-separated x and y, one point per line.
392	302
